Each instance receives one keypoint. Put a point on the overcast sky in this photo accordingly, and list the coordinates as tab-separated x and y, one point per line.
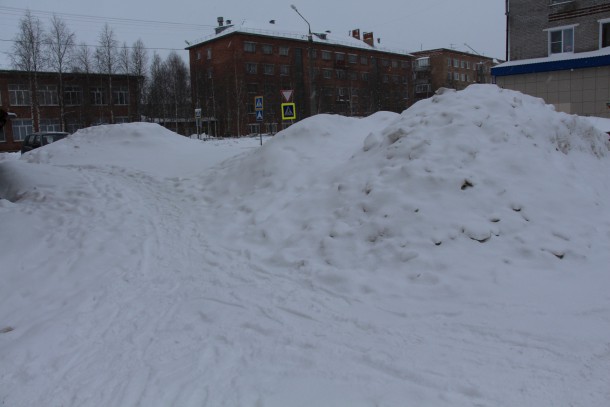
409	25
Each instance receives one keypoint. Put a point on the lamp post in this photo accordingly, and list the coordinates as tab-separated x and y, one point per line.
312	96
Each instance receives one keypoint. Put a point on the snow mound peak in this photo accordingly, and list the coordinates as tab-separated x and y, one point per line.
493	115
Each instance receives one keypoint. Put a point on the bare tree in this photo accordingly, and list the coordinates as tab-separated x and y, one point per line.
157	89
139	61
106	56
60	44
28	56
179	86
124	64
83	59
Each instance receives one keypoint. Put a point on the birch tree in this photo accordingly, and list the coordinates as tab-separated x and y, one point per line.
106	56
60	43
28	56
139	62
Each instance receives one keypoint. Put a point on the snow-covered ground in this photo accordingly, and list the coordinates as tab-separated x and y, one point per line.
454	255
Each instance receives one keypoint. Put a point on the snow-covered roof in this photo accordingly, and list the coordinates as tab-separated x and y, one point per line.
277	31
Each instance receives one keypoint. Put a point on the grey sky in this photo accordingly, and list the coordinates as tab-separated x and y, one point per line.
408	25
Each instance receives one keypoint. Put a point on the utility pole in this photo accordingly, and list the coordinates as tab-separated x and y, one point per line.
312	96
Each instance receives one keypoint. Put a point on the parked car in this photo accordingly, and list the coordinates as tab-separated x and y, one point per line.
35	140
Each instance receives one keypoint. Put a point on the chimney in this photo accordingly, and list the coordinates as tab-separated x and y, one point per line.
228	22
220	21
356	33
369	39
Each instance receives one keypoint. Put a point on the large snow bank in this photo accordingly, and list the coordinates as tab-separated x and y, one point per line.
453	255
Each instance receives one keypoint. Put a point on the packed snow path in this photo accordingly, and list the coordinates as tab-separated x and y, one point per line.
451	256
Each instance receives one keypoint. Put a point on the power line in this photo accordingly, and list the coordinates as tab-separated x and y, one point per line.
120	20
119	46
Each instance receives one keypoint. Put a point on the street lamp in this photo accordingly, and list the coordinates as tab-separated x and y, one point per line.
312	101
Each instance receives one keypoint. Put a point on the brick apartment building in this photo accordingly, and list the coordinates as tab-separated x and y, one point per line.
87	102
559	50
448	68
349	75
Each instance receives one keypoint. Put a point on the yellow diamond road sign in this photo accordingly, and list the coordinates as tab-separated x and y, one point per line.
289	112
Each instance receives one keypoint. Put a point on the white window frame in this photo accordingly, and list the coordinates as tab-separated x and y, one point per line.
19	94
73	95
120	95
21	128
284	51
564	28
601	31
98	96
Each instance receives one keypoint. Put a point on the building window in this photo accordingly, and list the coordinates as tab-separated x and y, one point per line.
467	64
463	78
249	46
449	76
2	136
284	70
365	76
21	128
456	63
209	53
268	69
386	79
604	33
463	64
198	55
339	56
326	55
423	88
456	76
47	95
449	62
352	59
121	119
50	125
340	73
120	95
250	67
284	51
353	75
19	95
254	128
561	41
404	64
313	53
394	63
97	96
364	60
385	62
327	73
267	49
73	95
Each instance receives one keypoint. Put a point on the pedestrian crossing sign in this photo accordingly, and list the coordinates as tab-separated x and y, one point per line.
259	115
258	103
289	111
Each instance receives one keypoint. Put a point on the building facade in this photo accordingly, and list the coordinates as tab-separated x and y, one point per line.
88	100
317	72
448	68
559	50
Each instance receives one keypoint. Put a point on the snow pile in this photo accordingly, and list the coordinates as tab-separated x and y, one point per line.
453	255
